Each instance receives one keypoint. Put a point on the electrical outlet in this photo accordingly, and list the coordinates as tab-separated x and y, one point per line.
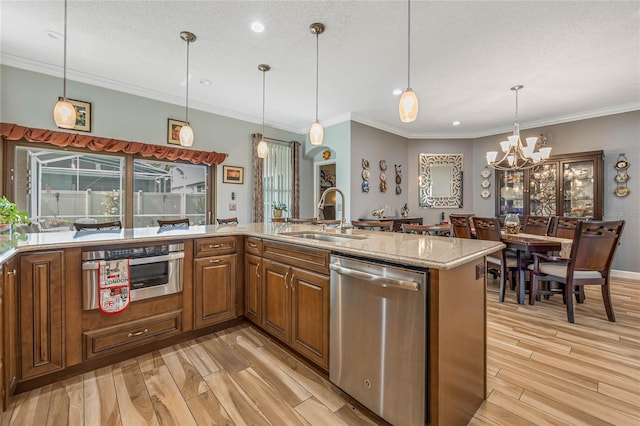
233	207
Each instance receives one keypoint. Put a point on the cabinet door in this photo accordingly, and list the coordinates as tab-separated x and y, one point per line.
310	315
10	305
543	190
215	289
276	295
41	313
580	189
253	288
511	192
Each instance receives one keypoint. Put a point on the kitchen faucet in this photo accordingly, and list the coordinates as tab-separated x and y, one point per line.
343	221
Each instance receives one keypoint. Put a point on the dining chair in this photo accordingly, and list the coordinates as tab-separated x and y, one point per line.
592	251
461	225
538	225
564	227
173	222
409	228
488	228
228	221
328	222
104	226
302	220
383	225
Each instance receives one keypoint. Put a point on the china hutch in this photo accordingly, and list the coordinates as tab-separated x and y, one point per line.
564	185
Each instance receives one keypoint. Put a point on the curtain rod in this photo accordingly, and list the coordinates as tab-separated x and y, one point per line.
274	140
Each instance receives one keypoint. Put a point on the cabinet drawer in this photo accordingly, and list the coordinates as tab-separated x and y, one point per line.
253	245
121	337
215	246
309	258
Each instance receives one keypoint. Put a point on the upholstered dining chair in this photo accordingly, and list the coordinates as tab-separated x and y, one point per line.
409	228
384	225
592	251
564	226
105	226
461	225
538	225
488	228
227	221
184	222
302	220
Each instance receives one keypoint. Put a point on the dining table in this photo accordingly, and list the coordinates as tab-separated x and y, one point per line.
524	243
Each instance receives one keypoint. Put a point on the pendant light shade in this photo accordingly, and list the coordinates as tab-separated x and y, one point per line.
186	132
316	133
263	148
64	114
408	106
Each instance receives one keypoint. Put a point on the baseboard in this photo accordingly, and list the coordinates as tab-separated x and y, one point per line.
627	275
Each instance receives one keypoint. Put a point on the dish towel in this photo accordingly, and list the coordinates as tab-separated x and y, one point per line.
114	288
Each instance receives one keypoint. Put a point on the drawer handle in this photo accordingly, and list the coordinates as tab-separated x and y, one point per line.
293	277
253	245
214	261
257	270
285	280
215	245
138	333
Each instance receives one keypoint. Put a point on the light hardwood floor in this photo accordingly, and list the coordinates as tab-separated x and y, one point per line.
541	370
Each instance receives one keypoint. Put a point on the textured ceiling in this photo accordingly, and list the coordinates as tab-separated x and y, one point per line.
576	59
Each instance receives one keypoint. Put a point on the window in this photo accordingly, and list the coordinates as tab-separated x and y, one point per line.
164	190
277	178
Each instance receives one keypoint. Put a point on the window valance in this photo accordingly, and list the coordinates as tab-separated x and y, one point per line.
15	132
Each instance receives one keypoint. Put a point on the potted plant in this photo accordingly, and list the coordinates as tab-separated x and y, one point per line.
11	216
278	208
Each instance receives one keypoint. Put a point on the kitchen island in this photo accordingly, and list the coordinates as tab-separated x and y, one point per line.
456	326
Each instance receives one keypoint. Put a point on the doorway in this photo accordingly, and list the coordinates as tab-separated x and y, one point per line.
325	177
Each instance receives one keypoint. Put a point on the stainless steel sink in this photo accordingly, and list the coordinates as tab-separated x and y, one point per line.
324	236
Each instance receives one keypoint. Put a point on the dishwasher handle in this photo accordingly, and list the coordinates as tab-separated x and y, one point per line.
376	279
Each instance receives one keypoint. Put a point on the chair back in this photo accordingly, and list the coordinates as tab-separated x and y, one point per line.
594	245
228	221
565	227
538	225
302	220
385	225
487	228
409	228
98	226
326	221
461	225
173	222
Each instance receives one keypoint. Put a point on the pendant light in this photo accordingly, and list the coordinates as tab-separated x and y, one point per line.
408	107
186	132
64	114
263	148
316	134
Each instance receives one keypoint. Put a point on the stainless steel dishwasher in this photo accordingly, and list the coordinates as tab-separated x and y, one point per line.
378	351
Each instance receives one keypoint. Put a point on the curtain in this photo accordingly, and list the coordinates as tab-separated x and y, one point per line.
14	132
258	163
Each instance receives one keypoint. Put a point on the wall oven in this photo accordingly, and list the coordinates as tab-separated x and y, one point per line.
154	270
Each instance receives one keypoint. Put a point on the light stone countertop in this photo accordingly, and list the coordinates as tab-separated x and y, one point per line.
407	249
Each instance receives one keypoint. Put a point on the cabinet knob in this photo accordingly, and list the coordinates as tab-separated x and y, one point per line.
12	272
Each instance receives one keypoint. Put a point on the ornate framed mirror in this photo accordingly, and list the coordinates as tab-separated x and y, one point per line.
440	181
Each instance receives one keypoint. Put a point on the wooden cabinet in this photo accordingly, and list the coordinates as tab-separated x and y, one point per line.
295	305
253	288
41	313
215	281
565	185
9	330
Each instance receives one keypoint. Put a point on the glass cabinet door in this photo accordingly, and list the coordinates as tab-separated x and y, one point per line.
578	187
543	190
511	187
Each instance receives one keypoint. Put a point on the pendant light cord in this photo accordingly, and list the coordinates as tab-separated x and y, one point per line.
64	67
317	73
263	91
187	96
409	45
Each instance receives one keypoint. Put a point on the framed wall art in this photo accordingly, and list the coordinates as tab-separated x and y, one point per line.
173	131
232	174
83	115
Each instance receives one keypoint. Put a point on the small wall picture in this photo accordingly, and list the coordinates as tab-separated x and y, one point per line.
83	115
173	131
232	174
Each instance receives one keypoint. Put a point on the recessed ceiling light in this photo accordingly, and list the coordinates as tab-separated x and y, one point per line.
257	26
455	123
205	82
397	92
54	34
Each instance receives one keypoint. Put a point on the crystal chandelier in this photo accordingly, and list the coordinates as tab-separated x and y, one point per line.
517	156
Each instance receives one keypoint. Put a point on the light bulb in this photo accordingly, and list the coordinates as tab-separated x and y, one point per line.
64	114
186	135
263	149
491	156
408	106
316	134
